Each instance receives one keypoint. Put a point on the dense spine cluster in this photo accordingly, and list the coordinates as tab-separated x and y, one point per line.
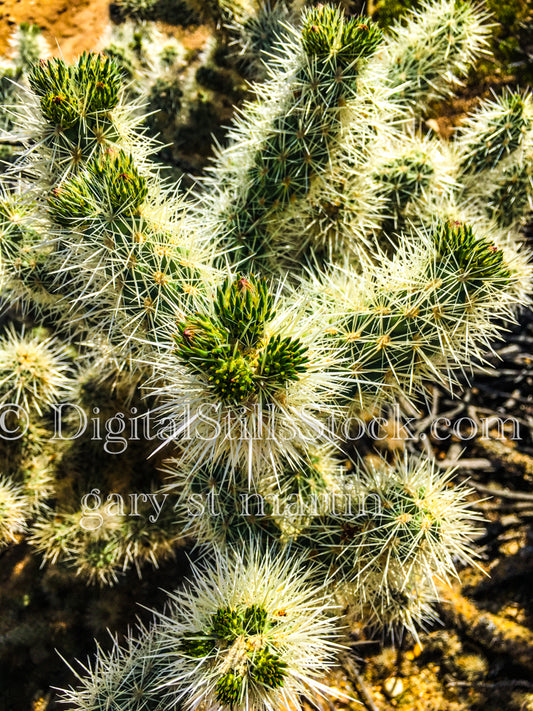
117	232
253	633
397	533
34	371
433	50
494	148
256	378
403	326
304	107
400	260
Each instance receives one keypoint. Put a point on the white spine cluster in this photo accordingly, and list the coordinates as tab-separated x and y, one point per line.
401	259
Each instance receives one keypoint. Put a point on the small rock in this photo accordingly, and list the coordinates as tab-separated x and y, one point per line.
393	686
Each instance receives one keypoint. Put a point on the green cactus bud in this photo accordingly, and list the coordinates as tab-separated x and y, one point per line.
283	360
244	306
72	201
50	76
255	620
326	34
199	339
60	108
494	131
268	669
100	558
227	624
109	186
118	181
232	378
230	689
99	82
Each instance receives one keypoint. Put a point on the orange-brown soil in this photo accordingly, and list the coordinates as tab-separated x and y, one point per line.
70	26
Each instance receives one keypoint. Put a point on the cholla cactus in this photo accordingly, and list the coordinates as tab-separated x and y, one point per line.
137	9
303	490
24	278
427	312
494	148
132	248
216	507
90	541
412	270
144	55
257	31
251	633
35	372
255	379
411	519
412	177
13	511
129	676
394	604
101	542
395	530
80	114
72	115
119	233
248	632
328	206
292	129
28	46
431	52
14	214
495	131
